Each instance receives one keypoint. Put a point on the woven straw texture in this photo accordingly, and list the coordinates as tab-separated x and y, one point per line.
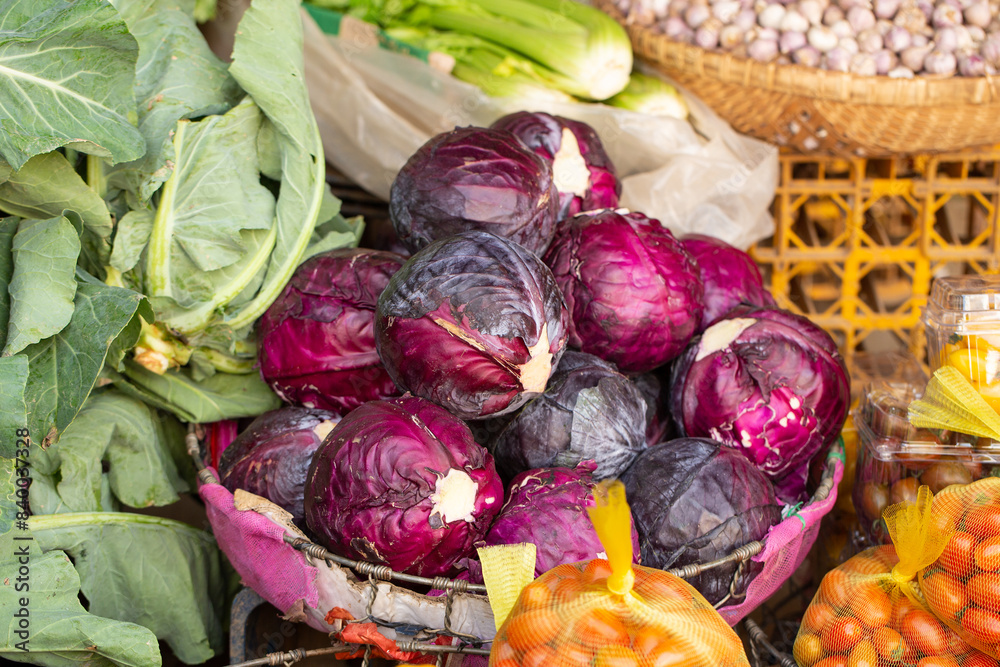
814	110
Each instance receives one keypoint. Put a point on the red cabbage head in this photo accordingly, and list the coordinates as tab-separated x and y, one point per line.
317	346
634	294
769	383
473	322
474	178
582	171
401	482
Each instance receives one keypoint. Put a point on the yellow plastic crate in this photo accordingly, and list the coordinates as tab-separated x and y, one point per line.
858	241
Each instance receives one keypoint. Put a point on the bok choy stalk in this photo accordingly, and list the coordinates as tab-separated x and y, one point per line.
574	40
650	95
497	71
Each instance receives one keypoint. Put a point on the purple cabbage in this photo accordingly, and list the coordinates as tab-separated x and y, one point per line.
769	383
655	389
730	277
401	482
548	508
633	292
473	322
474	178
271	457
588	412
582	171
695	500
317	346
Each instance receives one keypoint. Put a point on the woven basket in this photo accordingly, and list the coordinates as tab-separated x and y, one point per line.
814	110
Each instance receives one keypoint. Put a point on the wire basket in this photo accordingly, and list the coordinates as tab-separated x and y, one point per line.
815	110
443	621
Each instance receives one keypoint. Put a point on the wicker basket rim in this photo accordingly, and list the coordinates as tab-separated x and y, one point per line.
808	81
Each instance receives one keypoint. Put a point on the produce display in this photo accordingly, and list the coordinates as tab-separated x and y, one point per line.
608	612
895	38
588	412
174	256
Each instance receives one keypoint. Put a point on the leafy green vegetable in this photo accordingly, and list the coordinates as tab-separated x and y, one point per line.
177	76
13	412
61	85
8	227
131	238
132	440
43	283
161	574
64	368
45	187
217	397
63	633
8	498
213	195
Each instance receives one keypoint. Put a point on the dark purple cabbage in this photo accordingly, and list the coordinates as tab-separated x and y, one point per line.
695	500
588	412
317	347
474	178
769	383
548	508
730	277
271	457
401	482
582	171
473	322
633	292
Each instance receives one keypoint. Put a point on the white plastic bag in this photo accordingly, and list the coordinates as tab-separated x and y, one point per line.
376	107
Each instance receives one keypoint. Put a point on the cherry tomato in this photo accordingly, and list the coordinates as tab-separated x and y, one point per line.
835	588
503	651
600	627
535	596
616	656
983	521
924	633
870	605
987	554
984	590
981	625
945	594
957	557
528	629
938	661
905	490
807	649
864	564
539	656
863	655
663	588
902	607
596	570
888	644
817	616
833	661
574	653
842	635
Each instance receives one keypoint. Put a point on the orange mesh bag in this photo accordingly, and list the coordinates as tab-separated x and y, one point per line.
963	586
609	613
870	612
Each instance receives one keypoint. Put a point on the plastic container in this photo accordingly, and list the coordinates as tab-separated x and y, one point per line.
895	458
962	325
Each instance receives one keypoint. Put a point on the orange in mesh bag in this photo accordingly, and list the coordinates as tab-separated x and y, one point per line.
609	613
963	586
870	610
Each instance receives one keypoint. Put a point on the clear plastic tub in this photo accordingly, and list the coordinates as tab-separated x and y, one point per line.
895	458
962	322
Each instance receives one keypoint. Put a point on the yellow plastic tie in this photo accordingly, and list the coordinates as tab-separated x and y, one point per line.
951	402
612	521
507	569
918	537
